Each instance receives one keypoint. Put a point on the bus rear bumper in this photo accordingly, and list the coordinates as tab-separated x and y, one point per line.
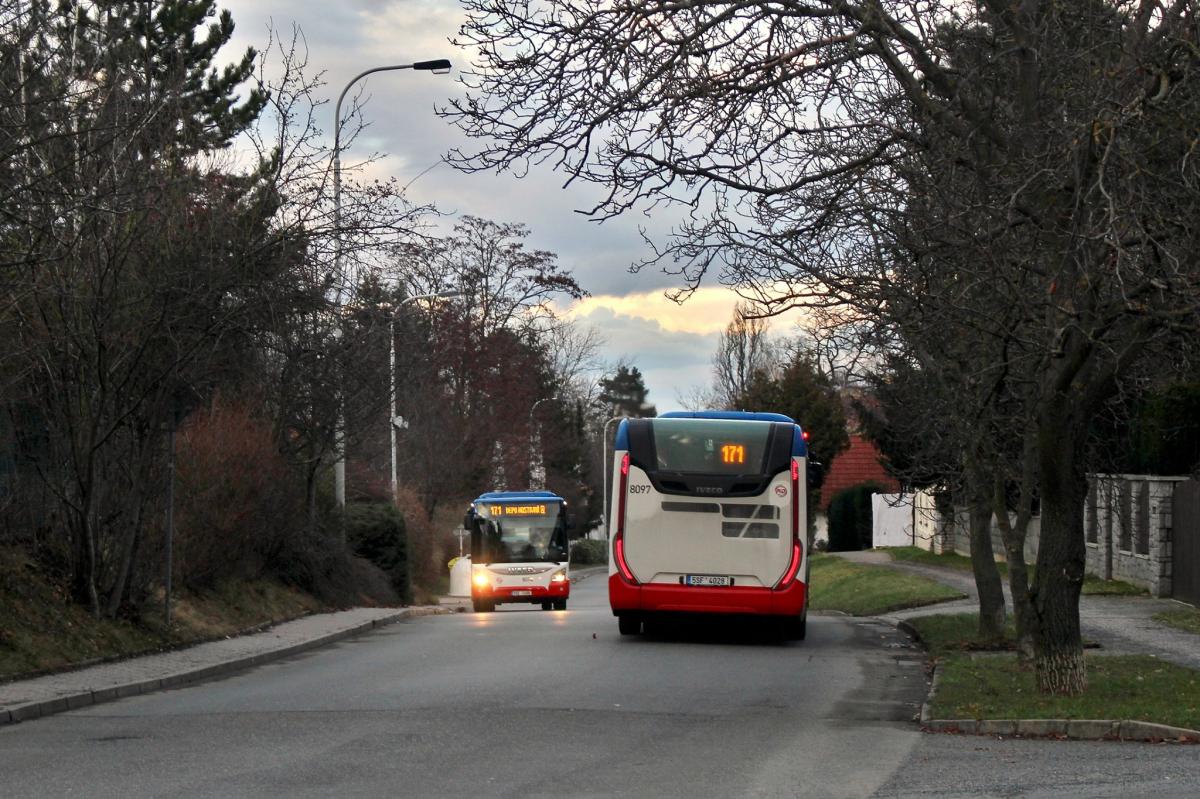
670	598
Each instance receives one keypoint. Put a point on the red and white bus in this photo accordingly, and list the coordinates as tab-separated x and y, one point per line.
519	550
708	517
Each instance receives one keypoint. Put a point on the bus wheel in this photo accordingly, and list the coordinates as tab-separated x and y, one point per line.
629	625
546	605
801	627
560	604
793	629
483	605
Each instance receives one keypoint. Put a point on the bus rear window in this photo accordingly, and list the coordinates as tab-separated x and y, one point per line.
711	446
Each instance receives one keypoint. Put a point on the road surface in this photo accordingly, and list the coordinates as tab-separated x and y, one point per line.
527	703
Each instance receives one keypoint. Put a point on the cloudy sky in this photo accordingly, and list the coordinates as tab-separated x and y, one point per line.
672	345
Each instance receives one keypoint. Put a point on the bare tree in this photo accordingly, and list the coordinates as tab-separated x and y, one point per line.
744	348
794	133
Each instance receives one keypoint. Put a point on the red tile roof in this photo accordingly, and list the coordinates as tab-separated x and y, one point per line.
860	463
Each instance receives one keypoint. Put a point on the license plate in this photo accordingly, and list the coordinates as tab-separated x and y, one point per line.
522	593
706	579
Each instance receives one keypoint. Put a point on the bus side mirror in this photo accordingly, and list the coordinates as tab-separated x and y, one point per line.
816	473
468	521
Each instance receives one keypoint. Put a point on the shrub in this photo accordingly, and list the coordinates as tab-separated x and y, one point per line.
375	531
235	497
850	518
318	564
426	550
586	552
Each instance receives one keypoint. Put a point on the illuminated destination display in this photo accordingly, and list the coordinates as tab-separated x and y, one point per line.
518	510
733	453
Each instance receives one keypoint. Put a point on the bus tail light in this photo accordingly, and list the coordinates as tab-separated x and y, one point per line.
619	537
797	550
793	566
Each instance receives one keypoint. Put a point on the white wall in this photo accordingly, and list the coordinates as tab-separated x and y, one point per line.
891	520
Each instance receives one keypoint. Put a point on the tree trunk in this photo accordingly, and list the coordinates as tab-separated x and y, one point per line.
983	558
85	561
1018	574
1061	555
116	594
310	496
987	576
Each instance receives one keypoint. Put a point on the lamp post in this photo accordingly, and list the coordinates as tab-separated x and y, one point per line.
537	482
393	391
440	67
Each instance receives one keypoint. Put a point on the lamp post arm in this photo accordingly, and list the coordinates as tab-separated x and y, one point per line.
337	127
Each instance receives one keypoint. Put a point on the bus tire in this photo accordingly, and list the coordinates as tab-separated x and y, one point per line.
547	605
794	629
483	605
629	625
560	604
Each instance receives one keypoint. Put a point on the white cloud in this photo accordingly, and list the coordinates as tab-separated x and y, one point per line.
671	361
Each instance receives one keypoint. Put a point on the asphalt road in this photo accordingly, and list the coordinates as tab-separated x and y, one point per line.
526	703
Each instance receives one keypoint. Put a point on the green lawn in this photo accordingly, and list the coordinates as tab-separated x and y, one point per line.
947	633
1092	586
1133	687
1187	619
863	590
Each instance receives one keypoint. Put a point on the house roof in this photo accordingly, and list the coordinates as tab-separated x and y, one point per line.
860	463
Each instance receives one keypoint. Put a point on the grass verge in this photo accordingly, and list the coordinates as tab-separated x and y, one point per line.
41	630
864	590
1186	619
1134	687
947	633
1093	586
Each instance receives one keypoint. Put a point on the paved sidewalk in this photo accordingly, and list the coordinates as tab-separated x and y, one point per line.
1120	624
54	693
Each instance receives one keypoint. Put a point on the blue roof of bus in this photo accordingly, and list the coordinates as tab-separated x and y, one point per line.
749	416
518	496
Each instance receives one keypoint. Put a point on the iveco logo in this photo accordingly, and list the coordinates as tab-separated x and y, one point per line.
709	490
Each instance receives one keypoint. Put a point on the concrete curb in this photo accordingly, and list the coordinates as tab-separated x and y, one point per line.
1073	729
59	704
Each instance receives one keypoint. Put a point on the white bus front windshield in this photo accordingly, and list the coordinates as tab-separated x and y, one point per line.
522	532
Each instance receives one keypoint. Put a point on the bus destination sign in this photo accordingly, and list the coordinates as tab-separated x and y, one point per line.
518	510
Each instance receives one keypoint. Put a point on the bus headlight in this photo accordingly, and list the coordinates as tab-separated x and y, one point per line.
559	577
480	579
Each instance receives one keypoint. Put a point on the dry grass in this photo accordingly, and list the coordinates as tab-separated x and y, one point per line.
42	630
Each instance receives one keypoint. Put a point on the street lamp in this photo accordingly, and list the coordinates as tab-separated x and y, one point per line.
393	418
439	67
536	482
